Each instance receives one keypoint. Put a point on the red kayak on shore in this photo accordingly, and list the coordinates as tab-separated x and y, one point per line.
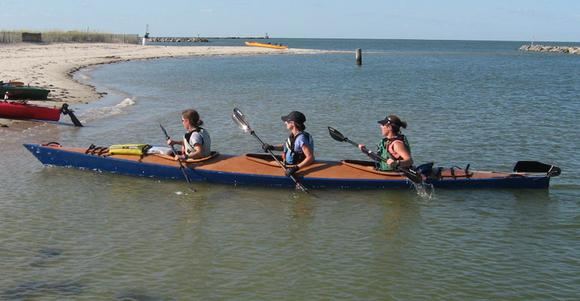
25	111
16	110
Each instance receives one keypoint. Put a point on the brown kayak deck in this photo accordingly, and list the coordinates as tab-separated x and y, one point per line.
264	164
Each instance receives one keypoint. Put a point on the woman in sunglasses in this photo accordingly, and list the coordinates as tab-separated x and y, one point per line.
196	143
394	147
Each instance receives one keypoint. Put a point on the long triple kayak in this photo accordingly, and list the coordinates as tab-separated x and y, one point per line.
262	170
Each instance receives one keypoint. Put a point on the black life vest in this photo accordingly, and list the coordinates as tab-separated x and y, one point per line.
290	155
187	147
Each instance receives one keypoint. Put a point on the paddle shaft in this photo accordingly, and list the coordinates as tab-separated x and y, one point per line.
181	167
351	142
407	172
300	186
369	153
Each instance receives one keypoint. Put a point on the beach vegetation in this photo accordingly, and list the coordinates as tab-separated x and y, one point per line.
72	36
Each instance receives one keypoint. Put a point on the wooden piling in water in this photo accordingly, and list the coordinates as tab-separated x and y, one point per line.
358	56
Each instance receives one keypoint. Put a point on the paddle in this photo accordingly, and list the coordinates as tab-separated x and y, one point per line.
66	111
409	173
535	166
181	167
240	119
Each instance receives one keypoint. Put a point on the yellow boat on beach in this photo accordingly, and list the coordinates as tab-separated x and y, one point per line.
267	45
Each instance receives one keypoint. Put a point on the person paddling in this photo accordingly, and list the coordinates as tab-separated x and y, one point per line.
196	142
298	150
394	147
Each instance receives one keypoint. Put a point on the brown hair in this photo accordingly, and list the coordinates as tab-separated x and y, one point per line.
193	117
397	123
301	127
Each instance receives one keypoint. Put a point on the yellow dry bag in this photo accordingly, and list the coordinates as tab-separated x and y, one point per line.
129	149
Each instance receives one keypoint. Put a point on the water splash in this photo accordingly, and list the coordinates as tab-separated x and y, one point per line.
424	190
117	109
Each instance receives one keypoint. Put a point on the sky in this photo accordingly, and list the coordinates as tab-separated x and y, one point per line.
512	20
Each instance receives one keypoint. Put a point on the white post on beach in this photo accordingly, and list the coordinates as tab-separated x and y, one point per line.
146	36
358	56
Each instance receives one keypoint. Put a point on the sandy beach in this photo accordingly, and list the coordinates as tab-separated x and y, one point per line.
51	66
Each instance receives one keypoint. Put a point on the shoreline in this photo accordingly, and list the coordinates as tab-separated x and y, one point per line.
52	66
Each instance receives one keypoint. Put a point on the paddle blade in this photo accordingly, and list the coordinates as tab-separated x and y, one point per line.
535	166
336	135
239	118
412	175
74	119
66	111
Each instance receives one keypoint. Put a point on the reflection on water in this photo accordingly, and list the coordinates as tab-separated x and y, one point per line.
39	289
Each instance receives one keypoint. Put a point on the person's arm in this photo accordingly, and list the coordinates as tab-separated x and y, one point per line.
171	142
197	141
363	148
266	147
197	149
308	156
406	161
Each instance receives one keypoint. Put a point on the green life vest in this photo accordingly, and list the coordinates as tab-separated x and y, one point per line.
384	152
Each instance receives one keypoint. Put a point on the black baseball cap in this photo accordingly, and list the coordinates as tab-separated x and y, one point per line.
391	119
295	116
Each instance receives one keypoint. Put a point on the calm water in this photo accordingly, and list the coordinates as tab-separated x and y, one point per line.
78	235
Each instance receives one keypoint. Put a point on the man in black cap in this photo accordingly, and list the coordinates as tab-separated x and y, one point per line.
298	151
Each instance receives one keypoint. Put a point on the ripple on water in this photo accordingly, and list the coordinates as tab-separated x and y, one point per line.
38	289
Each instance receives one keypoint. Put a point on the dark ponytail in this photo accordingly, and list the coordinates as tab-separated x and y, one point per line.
397	123
193	117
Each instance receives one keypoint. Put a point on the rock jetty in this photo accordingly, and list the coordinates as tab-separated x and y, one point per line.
548	48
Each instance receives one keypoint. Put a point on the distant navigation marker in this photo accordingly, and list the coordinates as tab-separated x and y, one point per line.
146	36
